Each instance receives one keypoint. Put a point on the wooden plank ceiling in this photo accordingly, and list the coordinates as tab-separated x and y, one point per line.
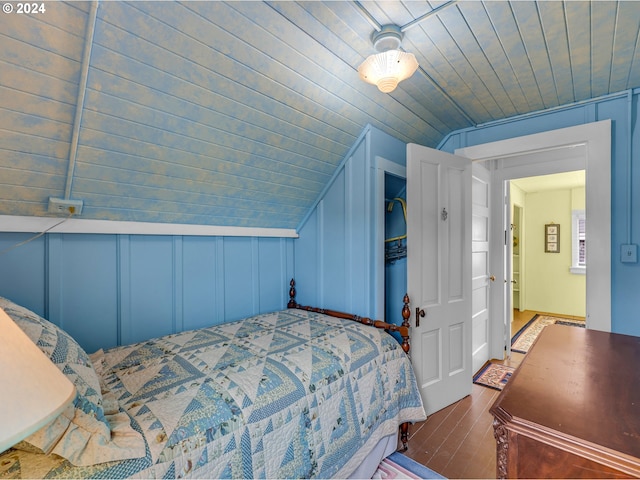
238	113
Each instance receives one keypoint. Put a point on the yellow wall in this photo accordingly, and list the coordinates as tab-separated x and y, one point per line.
550	286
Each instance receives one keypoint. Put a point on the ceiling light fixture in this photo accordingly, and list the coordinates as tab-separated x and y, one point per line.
389	67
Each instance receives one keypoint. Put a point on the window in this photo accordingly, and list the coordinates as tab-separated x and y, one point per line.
578	242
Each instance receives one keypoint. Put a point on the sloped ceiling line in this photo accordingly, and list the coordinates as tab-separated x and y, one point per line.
368	17
420	19
82	90
378	27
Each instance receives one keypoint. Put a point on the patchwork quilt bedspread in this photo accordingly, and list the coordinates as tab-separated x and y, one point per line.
291	394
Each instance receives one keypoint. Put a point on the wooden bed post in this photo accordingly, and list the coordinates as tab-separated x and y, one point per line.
406	313
292	294
406	346
404	436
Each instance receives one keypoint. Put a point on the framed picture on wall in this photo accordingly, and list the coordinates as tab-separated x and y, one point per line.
552	238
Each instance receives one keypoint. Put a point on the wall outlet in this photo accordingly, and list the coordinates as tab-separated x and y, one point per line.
629	253
64	206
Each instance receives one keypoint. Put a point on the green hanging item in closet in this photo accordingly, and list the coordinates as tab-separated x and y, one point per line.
404	211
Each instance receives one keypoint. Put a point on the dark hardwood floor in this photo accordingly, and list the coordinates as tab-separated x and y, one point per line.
457	441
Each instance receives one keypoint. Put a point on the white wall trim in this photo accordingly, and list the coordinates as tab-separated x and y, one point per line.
15	223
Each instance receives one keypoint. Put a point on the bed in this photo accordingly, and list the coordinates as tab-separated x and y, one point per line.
297	393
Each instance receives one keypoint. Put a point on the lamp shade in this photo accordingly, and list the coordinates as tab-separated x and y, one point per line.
34	391
387	69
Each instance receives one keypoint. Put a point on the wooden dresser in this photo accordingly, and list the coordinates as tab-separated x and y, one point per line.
572	408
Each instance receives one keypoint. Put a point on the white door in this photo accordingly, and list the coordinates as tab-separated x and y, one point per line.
481	277
439	273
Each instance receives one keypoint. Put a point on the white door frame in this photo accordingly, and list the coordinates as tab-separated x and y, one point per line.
574	148
482	280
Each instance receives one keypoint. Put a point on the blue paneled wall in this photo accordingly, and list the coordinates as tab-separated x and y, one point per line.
107	290
339	254
325	242
623	110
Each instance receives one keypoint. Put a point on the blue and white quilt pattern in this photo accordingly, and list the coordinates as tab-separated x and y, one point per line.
291	394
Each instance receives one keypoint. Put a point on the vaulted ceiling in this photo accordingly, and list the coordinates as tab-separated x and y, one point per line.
238	113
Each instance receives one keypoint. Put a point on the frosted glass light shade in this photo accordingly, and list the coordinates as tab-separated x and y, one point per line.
34	391
387	69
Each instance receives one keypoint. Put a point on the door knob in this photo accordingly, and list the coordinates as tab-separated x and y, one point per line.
419	313
492	278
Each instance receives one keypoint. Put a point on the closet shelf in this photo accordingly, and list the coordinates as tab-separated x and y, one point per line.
395	252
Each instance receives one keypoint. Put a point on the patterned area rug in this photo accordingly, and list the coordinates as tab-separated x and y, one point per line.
522	341
398	465
493	375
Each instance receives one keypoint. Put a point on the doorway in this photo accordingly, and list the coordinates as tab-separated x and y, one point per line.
580	147
554	283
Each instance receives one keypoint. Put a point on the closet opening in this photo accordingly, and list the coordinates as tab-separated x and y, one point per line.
395	245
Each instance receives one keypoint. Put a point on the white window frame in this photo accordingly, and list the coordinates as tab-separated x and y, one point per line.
576	267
